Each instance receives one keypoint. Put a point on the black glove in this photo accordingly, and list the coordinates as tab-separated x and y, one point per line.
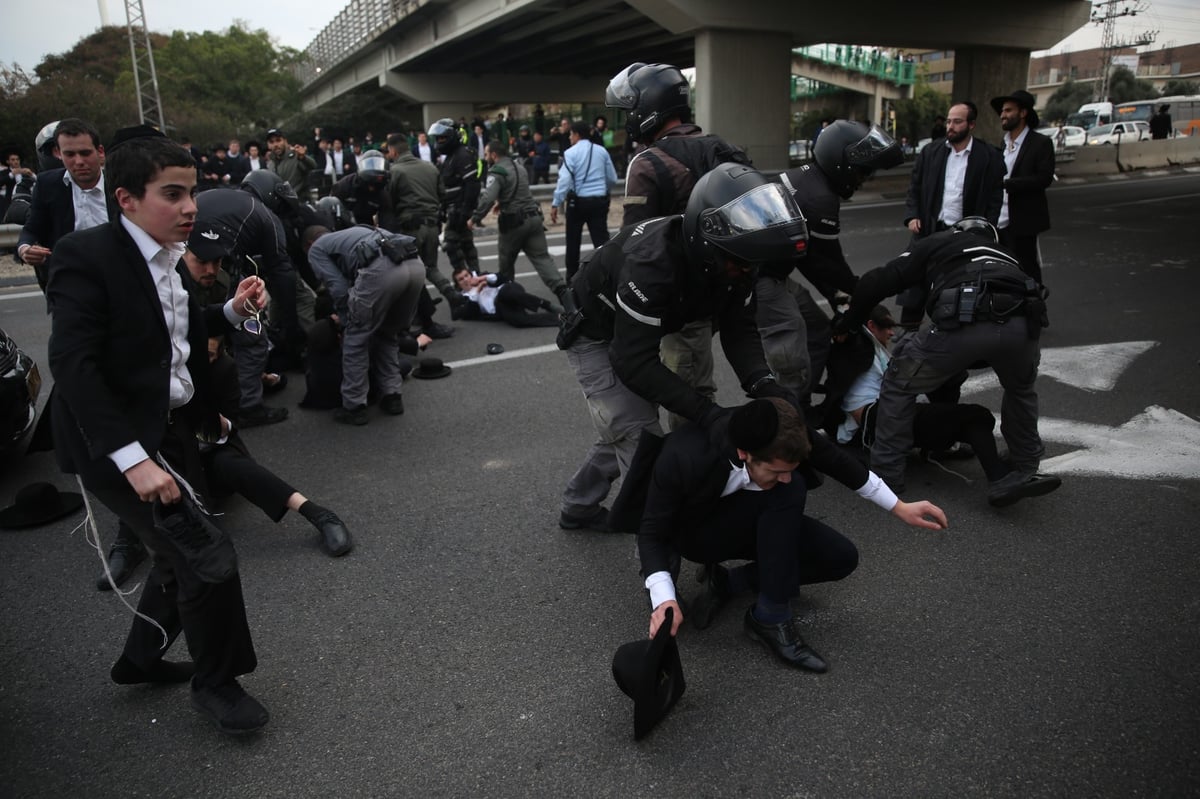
769	388
841	326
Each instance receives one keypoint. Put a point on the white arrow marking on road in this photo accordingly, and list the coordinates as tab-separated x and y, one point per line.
1158	443
1092	367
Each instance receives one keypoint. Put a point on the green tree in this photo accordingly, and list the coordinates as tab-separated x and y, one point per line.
1124	86
915	116
1176	86
1066	100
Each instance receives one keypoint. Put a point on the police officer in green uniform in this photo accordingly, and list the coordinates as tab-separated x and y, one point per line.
417	193
520	221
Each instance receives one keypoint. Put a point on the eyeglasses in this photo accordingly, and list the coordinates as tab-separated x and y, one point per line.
253	325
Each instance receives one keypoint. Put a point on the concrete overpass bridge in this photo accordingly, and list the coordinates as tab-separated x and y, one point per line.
448	55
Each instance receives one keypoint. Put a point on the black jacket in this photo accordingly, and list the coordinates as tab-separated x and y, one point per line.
824	263
51	215
926	263
689	475
110	355
1032	174
983	192
640	286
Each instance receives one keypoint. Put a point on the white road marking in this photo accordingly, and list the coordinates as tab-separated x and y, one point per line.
1092	367
1159	443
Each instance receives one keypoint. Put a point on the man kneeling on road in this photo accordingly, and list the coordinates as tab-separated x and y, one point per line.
732	492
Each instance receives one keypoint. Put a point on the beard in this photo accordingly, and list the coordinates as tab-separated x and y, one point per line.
954	137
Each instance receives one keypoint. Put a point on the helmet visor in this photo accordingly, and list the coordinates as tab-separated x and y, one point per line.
758	209
621	92
876	150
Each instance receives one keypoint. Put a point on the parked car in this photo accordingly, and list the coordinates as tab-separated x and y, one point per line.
1072	135
1119	132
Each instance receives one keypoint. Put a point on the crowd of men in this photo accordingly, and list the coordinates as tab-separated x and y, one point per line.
175	313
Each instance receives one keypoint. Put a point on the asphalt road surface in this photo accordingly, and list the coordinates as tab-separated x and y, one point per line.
464	647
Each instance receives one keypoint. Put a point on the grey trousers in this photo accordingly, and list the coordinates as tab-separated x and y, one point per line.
619	417
381	306
795	334
924	361
688	354
529	236
427	247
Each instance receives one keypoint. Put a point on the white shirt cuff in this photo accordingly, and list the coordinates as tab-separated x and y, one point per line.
661	588
128	456
878	492
231	315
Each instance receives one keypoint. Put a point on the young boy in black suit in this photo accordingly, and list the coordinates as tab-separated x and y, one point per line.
128	352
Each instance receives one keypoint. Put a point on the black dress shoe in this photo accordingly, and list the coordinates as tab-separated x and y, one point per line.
392	404
1016	486
785	642
260	415
230	708
123	558
712	598
597	520
335	538
126	672
355	416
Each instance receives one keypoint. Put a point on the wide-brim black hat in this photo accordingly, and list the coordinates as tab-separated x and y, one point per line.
430	369
37	504
649	672
1021	98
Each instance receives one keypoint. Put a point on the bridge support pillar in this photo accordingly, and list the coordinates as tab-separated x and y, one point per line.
742	84
432	112
981	73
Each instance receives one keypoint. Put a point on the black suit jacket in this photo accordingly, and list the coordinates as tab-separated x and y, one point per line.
51	216
982	185
110	355
1032	174
689	474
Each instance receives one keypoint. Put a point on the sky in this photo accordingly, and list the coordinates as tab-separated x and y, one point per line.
27	38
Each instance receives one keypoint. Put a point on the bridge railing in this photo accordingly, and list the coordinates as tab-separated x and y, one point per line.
360	22
871	61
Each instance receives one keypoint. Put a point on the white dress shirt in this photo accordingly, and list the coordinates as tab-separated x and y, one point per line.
952	188
1011	150
91	210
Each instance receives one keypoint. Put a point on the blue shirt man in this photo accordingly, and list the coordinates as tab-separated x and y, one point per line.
587	173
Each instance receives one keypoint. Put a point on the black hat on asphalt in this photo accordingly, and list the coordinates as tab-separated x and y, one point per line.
649	672
37	504
431	369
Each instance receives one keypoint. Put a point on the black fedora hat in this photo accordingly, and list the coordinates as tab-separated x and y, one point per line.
1022	98
430	369
37	504
649	673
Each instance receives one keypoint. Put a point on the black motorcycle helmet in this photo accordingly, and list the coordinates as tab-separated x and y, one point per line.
274	192
734	209
652	94
849	152
18	393
372	169
334	211
977	225
445	135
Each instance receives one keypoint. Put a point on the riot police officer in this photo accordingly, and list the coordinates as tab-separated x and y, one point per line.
520	221
982	308
650	280
795	331
659	181
461	174
365	193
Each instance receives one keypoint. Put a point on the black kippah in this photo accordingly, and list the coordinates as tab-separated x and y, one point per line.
754	425
135	132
